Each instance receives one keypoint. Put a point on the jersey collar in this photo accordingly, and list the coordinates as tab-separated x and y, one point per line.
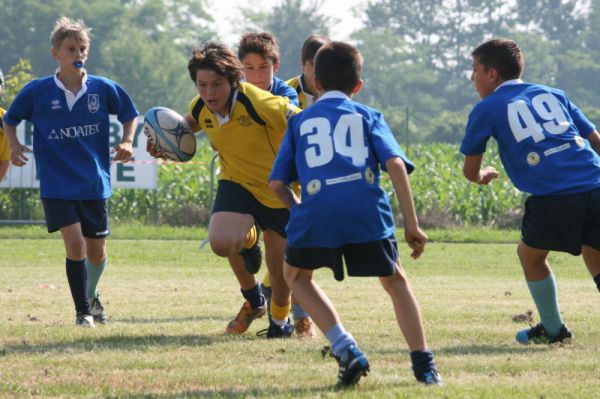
69	96
334	94
232	97
510	82
303	86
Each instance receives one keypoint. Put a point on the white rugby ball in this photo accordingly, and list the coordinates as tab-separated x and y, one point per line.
169	134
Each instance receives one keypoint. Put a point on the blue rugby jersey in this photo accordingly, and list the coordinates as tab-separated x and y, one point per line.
281	88
540	135
71	147
336	149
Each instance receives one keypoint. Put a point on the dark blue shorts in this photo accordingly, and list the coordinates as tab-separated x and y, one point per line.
370	259
232	197
92	214
562	222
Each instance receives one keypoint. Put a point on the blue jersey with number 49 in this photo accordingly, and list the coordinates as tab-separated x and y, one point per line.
335	149
541	138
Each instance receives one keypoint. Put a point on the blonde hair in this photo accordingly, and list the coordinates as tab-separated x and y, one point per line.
66	27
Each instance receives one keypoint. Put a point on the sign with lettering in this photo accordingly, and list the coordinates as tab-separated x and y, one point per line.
141	172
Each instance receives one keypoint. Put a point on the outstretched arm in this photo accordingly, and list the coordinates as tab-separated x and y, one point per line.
414	236
473	172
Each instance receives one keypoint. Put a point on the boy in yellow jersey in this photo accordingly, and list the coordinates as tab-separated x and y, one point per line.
259	54
245	126
4	148
304	84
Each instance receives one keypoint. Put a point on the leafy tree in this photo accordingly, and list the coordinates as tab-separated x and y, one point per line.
154	75
446	29
291	22
395	79
17	77
142	44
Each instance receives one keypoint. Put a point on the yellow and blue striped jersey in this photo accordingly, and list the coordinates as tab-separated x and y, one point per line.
305	97
249	140
4	149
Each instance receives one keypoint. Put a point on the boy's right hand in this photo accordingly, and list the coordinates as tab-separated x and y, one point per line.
487	174
416	239
17	154
152	150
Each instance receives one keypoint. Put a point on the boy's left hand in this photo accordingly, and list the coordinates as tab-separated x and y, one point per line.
123	152
416	239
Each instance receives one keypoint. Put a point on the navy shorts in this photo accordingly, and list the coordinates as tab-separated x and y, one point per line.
370	259
232	197
92	214
562	222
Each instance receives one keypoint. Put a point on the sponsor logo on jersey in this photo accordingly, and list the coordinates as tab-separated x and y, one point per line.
313	187
559	148
55	104
533	158
93	103
208	123
244	120
369	176
74	132
344	179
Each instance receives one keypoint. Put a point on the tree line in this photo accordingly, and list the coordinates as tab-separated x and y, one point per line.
417	53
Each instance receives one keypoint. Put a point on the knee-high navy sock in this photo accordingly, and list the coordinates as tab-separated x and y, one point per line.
422	362
254	296
77	276
597	281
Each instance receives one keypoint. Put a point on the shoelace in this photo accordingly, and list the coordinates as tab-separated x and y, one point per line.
262	333
326	351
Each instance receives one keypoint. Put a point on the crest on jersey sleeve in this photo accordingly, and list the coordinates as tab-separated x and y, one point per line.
93	103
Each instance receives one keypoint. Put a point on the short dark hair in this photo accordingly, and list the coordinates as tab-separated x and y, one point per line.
216	57
263	44
504	55
338	66
311	45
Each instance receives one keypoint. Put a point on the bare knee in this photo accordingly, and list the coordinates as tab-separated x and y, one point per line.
96	250
393	282
96	256
533	261
75	248
223	245
292	274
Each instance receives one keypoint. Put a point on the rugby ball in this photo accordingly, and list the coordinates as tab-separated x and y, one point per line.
169	134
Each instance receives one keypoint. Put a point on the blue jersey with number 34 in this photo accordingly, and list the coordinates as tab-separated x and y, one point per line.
541	138
335	149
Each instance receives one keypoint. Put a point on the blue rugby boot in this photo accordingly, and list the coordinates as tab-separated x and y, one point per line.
431	377
353	365
538	335
277	331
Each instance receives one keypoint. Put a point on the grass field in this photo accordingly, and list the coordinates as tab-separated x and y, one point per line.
169	302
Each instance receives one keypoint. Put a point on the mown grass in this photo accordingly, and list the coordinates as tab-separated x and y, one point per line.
135	231
169	302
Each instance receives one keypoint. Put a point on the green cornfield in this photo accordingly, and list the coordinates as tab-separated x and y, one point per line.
443	197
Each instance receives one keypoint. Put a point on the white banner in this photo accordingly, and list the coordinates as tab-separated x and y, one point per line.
140	173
